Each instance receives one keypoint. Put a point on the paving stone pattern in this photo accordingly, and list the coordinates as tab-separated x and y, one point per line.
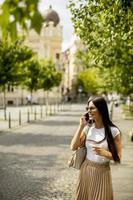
33	160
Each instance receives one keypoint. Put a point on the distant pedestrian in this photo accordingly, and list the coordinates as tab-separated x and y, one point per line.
103	142
68	96
29	99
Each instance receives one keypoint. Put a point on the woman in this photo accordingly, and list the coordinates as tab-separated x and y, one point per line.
103	142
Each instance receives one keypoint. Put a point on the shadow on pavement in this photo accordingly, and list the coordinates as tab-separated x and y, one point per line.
54	123
35	140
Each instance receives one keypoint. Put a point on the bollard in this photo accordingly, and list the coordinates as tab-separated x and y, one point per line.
19	117
62	107
41	113
35	114
9	125
50	109
5	114
28	116
54	110
46	110
58	107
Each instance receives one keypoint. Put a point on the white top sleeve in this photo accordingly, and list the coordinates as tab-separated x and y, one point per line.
86	129
115	131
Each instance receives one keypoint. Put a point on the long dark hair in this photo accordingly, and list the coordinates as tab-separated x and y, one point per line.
102	107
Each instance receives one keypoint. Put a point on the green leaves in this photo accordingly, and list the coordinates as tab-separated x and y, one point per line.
32	73
89	80
106	29
19	66
49	77
22	14
13	57
34	23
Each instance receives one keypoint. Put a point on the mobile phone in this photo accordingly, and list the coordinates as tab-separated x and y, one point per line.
86	116
90	121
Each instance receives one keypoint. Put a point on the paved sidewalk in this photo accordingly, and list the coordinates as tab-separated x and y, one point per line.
123	174
33	159
23	114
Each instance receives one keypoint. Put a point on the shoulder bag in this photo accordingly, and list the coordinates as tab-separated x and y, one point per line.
77	157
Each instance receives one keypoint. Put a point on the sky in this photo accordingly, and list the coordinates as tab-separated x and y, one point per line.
65	17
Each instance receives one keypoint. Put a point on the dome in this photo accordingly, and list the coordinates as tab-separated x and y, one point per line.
51	16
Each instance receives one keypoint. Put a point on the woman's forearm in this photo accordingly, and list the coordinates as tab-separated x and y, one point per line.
75	143
103	152
108	155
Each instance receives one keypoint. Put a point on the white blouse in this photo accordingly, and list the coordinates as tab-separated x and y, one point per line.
95	137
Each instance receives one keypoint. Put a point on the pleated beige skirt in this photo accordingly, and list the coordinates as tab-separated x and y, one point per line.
94	182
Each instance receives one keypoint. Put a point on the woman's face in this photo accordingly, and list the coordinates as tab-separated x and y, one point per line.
93	111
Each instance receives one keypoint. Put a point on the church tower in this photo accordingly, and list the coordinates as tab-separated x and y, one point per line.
52	34
48	43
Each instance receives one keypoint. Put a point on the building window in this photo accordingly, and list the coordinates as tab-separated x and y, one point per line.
10	88
57	55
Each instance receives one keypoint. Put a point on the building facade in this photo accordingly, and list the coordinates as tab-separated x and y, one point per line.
70	67
48	43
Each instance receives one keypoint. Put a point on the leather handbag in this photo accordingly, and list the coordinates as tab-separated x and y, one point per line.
78	157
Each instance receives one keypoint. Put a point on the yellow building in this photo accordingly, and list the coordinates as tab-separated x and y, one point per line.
48	43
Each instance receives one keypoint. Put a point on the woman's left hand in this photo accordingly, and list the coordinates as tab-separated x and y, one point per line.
101	151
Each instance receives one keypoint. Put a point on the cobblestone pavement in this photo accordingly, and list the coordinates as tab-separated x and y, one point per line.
16	115
33	160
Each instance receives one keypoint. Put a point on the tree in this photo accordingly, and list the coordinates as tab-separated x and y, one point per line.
89	80
105	27
22	14
49	77
85	58
13	57
32	74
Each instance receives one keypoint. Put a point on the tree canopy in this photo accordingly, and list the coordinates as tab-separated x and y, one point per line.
49	77
89	80
32	74
106	28
13	58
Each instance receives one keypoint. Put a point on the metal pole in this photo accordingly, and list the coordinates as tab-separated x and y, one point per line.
9	120
19	117
41	112
54	109
35	114
5	115
46	109
28	116
58	107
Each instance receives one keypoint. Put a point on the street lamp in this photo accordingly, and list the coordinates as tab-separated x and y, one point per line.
80	90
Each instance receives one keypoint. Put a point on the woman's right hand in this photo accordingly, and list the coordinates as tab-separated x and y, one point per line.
83	121
79	136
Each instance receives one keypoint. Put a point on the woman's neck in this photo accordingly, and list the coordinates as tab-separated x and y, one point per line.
99	124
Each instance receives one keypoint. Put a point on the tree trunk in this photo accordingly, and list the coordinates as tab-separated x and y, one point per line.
47	101
31	95
4	92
